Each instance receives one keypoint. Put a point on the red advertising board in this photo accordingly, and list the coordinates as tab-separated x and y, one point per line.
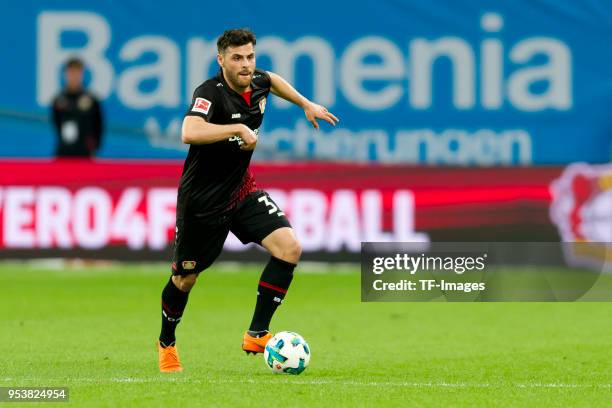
118	208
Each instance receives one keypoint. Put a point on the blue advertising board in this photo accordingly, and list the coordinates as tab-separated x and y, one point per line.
437	83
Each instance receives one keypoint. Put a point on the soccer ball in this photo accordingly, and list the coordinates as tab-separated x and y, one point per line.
287	352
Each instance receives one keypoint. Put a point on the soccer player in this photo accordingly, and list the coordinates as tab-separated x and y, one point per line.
217	192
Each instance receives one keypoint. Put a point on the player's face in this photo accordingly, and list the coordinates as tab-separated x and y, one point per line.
238	65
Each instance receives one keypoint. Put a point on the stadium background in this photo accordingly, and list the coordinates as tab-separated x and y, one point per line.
456	121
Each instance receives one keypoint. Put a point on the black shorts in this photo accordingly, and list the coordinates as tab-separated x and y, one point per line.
199	241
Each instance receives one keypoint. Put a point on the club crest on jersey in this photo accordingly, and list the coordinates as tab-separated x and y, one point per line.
201	105
188	265
262	105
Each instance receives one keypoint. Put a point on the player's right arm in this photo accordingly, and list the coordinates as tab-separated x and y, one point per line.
197	128
197	131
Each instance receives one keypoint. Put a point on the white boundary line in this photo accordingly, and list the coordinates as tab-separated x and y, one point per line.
401	384
78	267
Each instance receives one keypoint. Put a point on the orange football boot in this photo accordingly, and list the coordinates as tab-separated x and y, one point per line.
255	345
169	359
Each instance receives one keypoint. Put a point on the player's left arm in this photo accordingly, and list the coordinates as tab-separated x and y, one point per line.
313	111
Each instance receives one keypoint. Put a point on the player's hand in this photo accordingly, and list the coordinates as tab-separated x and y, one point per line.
314	111
249	138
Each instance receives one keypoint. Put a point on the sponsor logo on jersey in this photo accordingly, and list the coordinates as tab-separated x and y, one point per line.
235	116
201	105
236	139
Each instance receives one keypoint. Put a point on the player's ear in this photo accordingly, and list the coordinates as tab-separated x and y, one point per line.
220	60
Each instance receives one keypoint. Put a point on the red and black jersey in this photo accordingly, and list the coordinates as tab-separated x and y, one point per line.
216	175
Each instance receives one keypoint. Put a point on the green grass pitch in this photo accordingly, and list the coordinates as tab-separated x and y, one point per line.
94	331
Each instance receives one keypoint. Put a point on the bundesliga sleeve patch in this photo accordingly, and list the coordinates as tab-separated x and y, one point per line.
201	105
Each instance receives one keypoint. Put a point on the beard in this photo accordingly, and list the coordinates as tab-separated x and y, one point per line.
243	81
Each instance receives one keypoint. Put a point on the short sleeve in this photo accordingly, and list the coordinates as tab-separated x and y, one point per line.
203	102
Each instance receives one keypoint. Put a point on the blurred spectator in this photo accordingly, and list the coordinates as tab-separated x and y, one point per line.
76	115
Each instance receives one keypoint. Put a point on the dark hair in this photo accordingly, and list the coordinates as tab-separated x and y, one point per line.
74	62
235	38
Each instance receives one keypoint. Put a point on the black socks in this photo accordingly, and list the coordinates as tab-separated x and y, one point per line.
174	301
273	284
258	334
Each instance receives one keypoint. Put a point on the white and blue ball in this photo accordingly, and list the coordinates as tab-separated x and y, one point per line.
287	352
